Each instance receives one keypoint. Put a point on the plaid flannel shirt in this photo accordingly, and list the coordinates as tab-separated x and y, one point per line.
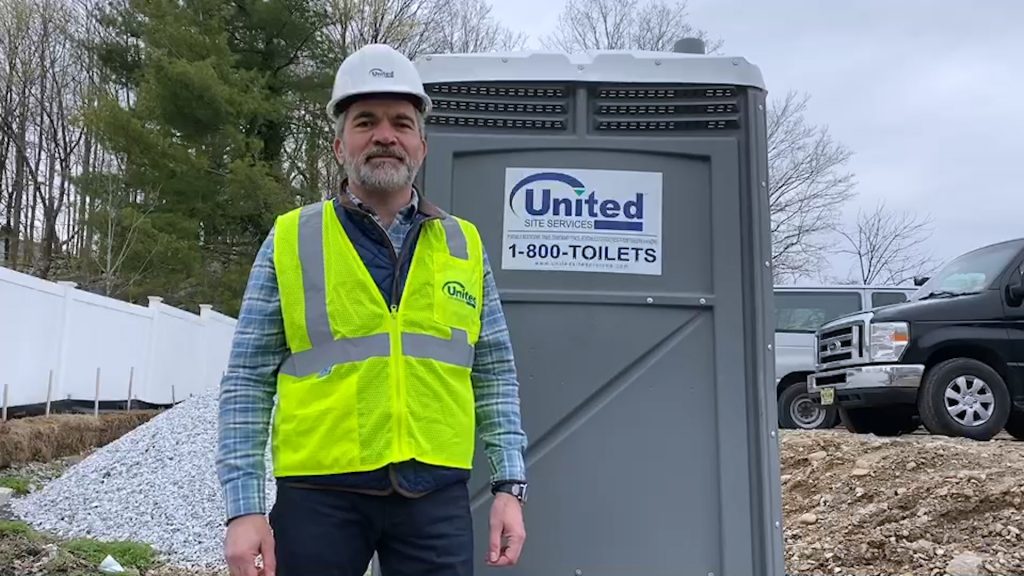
258	349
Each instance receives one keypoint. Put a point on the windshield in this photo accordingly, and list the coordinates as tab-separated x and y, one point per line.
971	272
805	312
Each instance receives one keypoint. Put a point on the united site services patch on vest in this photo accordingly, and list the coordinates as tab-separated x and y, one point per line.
457	290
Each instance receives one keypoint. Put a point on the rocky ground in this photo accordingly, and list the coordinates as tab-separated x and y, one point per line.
25	553
919	504
854	504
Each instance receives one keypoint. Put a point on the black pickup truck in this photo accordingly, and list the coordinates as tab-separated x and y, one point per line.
950	358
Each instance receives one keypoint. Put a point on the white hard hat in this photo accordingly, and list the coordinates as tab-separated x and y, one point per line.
376	69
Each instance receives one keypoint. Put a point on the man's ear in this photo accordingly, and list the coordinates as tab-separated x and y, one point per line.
339	152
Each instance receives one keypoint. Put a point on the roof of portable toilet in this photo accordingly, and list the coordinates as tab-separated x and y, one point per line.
633	66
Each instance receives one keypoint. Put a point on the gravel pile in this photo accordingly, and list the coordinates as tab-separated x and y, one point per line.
156	484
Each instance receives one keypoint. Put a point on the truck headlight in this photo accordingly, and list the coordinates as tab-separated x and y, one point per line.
888	341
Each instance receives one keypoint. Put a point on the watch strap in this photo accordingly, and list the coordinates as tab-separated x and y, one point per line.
515	488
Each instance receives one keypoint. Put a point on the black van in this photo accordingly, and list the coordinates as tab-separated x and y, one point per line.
950	358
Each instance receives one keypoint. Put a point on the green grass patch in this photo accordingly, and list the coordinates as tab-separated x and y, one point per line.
19	484
15	529
20	546
128	554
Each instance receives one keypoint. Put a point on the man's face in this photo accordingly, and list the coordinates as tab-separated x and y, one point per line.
381	146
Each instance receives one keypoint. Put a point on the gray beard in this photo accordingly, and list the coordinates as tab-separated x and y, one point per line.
382	179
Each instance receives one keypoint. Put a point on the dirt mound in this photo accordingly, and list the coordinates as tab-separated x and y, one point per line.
44	438
858	504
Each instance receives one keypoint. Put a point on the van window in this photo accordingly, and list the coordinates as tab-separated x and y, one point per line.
887	298
807	311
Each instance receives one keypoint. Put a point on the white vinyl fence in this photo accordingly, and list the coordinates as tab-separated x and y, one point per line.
61	343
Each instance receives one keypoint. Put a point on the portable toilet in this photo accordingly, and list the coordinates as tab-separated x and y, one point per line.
622	198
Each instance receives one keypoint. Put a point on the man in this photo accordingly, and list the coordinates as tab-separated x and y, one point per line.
375	319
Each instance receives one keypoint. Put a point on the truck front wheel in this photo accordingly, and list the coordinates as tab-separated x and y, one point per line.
964	397
799	410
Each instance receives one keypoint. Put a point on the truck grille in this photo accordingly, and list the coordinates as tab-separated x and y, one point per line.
841	345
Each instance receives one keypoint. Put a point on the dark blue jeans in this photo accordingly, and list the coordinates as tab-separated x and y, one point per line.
332	532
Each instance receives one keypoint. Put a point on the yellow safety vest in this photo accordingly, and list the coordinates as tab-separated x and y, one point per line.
367	384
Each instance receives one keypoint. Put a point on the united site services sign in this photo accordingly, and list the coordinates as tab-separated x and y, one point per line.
582	221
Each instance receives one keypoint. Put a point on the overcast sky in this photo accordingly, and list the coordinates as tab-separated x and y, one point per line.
928	95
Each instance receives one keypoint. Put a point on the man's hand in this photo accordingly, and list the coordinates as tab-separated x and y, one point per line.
248	537
507	531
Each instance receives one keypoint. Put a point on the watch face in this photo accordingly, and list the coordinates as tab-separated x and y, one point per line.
519	490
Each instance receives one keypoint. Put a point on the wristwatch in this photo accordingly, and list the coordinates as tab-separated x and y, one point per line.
517	489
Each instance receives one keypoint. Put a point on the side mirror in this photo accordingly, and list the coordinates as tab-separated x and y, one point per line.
921	280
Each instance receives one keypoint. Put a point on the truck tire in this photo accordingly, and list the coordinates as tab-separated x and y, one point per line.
1015	424
880	421
963	397
800	410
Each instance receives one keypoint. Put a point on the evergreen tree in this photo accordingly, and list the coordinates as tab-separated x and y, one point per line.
199	140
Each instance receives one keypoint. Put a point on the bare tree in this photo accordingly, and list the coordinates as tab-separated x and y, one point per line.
624	24
404	24
413	27
807	183
468	26
807	188
40	132
888	246
18	78
122	228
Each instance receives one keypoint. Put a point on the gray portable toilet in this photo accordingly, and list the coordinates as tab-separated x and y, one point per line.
622	198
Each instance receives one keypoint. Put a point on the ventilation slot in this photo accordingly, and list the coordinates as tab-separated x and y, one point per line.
502	91
666	125
664	109
678	93
515	108
500	107
497	123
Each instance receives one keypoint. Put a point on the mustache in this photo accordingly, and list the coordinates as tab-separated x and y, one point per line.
380	152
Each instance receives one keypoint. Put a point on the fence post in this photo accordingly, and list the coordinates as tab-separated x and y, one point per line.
131	381
204	326
96	402
49	392
150	373
64	334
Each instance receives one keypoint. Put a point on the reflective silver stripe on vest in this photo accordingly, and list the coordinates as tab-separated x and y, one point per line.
325	355
456	351
311	254
456	238
326	351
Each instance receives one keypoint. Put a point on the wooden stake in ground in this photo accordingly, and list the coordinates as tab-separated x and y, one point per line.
96	402
5	403
49	392
131	380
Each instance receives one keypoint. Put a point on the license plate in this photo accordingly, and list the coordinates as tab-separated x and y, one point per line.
828	396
